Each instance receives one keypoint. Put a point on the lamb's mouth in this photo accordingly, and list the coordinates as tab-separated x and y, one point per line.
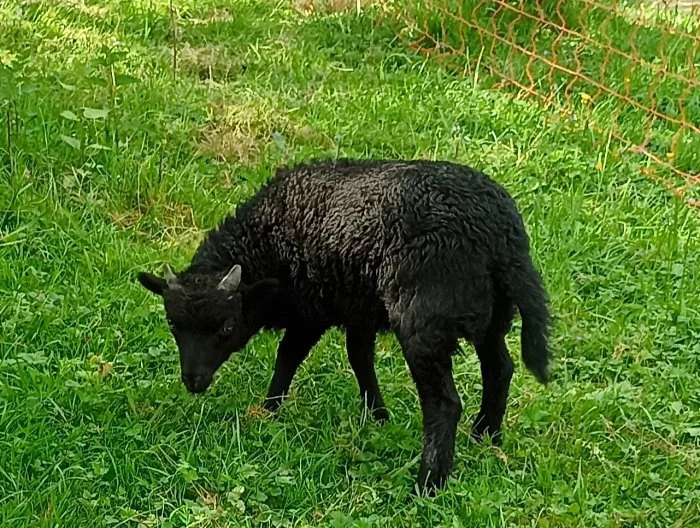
197	384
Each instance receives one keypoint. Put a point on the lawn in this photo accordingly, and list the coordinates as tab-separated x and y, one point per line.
116	158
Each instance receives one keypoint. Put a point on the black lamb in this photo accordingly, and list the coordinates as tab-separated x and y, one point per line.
433	251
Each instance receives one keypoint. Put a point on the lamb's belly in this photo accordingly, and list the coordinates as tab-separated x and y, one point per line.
362	313
337	308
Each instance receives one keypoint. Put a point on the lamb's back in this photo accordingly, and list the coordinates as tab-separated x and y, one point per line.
359	210
332	230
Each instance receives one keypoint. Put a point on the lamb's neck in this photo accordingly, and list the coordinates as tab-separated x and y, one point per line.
236	242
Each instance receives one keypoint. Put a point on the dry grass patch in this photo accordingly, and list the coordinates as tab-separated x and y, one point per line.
230	144
80	6
173	224
126	219
212	16
211	63
238	132
308	7
178	226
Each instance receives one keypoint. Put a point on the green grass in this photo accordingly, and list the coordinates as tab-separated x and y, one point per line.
95	427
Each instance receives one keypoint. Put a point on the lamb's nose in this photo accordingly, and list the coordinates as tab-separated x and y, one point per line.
195	382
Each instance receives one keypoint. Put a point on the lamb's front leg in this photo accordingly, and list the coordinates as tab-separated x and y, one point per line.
293	349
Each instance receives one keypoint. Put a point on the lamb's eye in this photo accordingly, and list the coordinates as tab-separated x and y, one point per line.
226	329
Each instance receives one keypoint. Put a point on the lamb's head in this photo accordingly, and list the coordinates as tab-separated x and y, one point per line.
210	316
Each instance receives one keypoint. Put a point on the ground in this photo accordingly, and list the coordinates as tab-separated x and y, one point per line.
116	158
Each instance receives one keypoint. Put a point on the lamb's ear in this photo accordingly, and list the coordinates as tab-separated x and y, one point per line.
152	283
232	279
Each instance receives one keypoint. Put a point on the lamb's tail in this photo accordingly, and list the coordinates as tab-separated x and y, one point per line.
528	293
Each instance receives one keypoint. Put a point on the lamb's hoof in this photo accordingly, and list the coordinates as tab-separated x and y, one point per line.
272	404
430	482
381	415
481	430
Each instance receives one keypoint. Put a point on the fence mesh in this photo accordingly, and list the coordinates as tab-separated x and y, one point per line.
630	67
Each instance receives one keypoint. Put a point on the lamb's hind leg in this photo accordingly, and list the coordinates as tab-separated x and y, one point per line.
437	301
496	373
428	355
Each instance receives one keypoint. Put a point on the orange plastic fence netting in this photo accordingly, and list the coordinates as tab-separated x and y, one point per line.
634	66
